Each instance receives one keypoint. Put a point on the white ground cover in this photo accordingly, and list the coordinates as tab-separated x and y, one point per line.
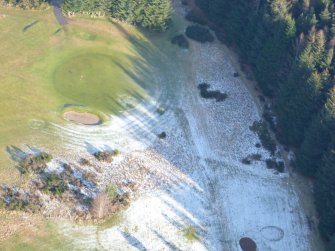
194	177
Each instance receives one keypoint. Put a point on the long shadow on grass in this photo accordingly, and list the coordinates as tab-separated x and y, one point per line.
134	241
25	28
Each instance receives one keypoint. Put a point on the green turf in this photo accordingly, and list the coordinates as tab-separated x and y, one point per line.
103	66
45	236
95	80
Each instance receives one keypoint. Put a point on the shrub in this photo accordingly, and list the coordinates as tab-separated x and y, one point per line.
181	41
12	199
199	34
246	161
161	135
84	162
35	162
255	156
195	18
111	191
106	156
252	157
190	233
273	164
43	157
160	110
54	184
205	93
260	128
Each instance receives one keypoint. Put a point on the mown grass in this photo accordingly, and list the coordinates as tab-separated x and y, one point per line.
36	57
42	237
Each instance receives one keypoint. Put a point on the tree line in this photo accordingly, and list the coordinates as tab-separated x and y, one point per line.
290	47
151	14
25	4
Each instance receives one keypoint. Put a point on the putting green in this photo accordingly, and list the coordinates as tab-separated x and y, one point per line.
95	80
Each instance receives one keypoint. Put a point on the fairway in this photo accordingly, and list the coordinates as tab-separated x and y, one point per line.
95	66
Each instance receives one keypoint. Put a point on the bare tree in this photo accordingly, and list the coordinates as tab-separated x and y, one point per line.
100	206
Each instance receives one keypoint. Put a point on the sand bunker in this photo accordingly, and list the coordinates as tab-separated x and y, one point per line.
82	118
248	244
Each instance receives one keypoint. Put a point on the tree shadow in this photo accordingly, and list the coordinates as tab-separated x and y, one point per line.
25	28
134	241
170	244
15	153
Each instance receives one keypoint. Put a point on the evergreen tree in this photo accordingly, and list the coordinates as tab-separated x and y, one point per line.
325	193
274	51
301	95
317	138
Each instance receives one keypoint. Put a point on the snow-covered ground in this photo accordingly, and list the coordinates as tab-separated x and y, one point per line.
194	178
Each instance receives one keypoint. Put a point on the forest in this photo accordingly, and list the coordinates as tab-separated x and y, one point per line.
289	45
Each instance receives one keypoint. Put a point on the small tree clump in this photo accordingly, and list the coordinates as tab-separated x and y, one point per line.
205	93
161	135
84	162
35	163
199	34
181	41
54	184
261	129
273	164
106	156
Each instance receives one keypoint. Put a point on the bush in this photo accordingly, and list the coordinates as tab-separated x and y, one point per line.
260	128
199	34
54	184
195	18
161	135
12	199
181	41
106	156
84	162
272	164
190	233
35	163
246	161
111	191
252	157
217	95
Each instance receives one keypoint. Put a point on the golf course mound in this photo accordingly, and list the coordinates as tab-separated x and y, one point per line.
84	118
96	80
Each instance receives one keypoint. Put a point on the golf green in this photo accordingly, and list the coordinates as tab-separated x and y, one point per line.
95	80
